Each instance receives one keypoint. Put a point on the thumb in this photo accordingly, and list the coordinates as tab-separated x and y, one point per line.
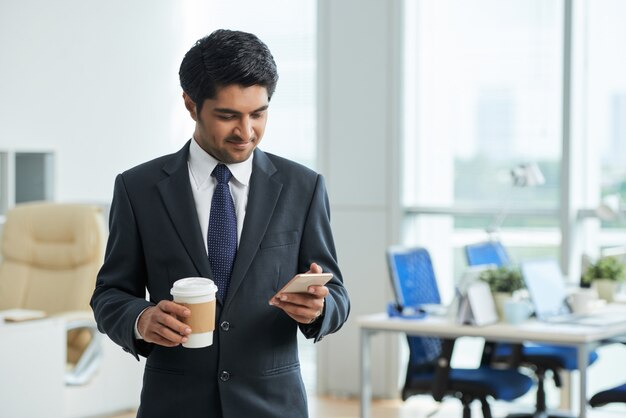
315	268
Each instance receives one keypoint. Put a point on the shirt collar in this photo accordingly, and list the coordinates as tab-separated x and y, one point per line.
202	164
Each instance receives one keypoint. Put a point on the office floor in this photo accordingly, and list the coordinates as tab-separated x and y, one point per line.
416	407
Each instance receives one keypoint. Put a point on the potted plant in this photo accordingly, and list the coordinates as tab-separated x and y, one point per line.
502	281
605	274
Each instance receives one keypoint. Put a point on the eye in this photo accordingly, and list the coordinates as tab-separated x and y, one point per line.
225	117
257	115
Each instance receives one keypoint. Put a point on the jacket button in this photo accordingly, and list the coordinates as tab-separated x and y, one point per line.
225	326
224	376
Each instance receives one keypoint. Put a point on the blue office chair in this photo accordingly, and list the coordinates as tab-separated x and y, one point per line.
616	394
429	370
539	357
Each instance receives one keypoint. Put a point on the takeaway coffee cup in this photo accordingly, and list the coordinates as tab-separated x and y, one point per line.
197	294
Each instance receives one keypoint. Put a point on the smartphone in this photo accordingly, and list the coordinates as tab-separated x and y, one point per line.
300	282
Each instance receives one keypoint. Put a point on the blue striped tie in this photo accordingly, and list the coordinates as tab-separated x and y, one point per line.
222	235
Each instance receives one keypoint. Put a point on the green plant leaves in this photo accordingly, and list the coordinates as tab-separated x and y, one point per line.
503	279
605	268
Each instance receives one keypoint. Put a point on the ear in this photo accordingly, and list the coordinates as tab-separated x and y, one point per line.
191	106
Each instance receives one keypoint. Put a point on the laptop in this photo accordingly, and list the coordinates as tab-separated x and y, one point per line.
546	286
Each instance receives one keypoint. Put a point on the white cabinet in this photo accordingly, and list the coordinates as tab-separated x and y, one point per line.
32	356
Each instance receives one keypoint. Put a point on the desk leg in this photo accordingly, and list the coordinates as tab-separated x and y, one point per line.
583	360
366	385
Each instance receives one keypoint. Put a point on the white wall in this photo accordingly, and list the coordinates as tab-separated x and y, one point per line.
358	138
94	82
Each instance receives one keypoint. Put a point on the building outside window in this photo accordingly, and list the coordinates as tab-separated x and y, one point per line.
483	94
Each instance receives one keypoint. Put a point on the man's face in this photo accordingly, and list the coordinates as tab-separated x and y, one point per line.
231	126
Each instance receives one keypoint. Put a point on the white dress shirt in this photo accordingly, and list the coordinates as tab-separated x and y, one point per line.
201	165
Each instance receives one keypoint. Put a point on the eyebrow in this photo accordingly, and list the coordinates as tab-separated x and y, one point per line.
235	112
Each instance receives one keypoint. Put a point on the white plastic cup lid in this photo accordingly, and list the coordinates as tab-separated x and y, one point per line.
193	286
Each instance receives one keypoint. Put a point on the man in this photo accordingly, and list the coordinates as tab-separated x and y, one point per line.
161	230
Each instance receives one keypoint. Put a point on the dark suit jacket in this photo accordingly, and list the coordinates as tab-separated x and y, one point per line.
252	368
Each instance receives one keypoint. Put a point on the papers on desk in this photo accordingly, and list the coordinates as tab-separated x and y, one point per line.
619	298
19	315
476	306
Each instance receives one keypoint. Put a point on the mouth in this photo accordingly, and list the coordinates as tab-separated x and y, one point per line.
239	144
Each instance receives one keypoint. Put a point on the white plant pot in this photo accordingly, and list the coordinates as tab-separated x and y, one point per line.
606	288
500	298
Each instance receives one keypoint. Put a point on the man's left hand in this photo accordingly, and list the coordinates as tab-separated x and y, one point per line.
304	308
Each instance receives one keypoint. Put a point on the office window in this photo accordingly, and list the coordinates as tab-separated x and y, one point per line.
603	104
482	95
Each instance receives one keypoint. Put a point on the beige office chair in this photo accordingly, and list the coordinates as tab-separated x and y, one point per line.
51	254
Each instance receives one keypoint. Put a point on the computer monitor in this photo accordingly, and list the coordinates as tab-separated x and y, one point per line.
546	287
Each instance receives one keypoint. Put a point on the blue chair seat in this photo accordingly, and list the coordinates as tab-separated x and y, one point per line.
616	394
501	384
561	356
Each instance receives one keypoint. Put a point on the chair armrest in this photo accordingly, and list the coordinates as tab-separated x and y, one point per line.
70	316
442	369
90	359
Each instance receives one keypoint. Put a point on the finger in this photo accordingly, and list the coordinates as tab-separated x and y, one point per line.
315	268
153	334
170	335
159	332
160	340
275	301
162	328
302	311
174	324
174	308
313	301
318	291
300	299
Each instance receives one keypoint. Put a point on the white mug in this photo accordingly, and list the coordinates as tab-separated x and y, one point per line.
517	311
583	300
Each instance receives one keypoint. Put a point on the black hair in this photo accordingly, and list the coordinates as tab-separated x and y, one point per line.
224	58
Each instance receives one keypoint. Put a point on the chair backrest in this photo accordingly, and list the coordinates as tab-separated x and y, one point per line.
51	254
489	252
414	283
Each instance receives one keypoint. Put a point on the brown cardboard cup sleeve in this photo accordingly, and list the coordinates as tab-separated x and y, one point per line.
202	317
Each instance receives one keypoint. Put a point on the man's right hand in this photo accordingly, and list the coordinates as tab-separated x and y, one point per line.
159	324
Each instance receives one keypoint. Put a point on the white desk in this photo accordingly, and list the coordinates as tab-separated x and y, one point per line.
582	337
32	355
32	374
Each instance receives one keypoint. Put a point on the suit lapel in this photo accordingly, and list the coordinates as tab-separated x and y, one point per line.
262	198
178	199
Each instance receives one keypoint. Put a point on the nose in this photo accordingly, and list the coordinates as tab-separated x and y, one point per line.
245	130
